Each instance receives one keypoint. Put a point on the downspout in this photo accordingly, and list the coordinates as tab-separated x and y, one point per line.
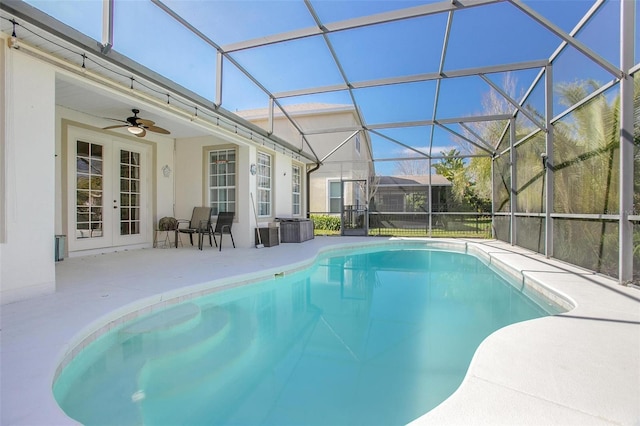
308	188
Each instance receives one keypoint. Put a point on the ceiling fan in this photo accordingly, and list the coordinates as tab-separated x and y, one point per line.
138	126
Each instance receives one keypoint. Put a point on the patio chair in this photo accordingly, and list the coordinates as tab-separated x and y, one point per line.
223	226
200	224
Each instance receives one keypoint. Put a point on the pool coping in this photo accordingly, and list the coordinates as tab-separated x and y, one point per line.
470	403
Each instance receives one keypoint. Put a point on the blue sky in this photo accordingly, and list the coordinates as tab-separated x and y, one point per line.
481	36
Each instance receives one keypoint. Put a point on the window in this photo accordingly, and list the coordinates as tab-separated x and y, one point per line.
89	191
295	190
129	192
264	184
222	180
335	197
357	143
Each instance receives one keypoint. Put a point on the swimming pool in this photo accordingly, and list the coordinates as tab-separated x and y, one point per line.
373	336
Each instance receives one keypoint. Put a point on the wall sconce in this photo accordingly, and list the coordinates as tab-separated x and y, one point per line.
253	169
166	171
543	157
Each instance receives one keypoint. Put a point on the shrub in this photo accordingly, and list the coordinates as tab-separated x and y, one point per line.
328	223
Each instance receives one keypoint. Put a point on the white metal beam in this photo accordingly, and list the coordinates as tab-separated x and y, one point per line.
512	102
107	26
333	130
340	145
417	151
513	190
380	18
578	45
464	138
219	65
474	118
627	40
453	120
415	78
336	60
477	136
247	74
555	54
548	163
436	98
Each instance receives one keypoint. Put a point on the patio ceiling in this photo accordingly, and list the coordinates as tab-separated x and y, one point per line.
422	77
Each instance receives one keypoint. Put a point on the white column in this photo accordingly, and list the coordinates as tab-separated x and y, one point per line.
514	180
627	40
549	177
27	266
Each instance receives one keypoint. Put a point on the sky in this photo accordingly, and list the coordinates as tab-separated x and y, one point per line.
480	37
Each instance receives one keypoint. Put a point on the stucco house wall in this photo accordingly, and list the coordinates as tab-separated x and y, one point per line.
346	162
38	172
27	248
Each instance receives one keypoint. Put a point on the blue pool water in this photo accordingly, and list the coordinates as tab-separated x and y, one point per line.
374	337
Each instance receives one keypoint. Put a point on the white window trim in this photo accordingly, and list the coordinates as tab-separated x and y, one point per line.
260	190
208	185
329	197
297	167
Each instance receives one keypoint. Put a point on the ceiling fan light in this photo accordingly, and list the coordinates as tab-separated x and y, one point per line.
135	130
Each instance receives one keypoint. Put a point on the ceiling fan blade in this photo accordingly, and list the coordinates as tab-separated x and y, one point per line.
115	119
115	127
158	130
145	122
142	135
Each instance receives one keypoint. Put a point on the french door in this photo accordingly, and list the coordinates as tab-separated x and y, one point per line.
107	192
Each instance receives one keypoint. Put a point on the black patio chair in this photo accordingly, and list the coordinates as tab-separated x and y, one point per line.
200	224
223	226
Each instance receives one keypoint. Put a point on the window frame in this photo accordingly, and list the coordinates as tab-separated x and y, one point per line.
330	197
227	202
296	195
264	184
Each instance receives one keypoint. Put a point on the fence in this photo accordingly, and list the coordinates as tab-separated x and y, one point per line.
416	224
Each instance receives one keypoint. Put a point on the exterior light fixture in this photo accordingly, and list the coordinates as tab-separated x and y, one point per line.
135	130
13	41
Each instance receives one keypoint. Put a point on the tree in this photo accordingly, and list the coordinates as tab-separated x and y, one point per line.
452	167
413	167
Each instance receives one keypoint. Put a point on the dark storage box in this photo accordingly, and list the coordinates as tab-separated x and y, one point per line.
270	236
296	230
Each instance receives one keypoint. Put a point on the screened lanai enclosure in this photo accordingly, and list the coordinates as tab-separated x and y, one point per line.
518	119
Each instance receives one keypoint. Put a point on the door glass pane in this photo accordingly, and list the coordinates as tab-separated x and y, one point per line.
96	166
88	190
96	182
82	181
82	149
129	192
96	151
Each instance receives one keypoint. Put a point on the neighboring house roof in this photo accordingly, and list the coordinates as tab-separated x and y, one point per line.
297	110
418	180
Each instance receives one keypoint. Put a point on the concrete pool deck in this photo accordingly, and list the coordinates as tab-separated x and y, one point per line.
578	368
